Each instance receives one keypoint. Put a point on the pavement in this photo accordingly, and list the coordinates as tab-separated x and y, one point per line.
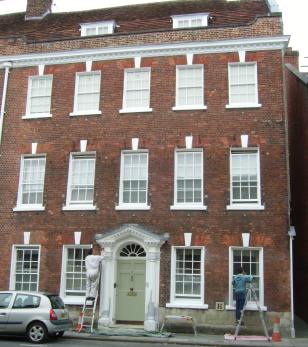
301	340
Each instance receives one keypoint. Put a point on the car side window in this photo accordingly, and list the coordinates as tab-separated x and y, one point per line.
26	301
5	299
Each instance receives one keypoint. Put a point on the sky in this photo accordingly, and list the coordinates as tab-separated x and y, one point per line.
294	14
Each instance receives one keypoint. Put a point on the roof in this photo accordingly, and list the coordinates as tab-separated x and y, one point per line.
133	18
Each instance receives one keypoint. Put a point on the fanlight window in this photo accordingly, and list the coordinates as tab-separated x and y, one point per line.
132	250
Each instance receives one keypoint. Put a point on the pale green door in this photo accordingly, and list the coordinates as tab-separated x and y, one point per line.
130	290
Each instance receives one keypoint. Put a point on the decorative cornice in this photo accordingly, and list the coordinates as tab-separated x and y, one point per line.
170	49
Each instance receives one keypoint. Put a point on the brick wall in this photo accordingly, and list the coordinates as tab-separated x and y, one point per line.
37	8
215	130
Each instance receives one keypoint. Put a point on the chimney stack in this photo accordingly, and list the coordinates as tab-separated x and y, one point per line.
37	9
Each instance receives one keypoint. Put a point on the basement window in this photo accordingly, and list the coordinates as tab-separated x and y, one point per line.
190	20
97	28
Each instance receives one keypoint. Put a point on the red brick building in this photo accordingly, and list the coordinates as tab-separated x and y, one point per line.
159	131
297	84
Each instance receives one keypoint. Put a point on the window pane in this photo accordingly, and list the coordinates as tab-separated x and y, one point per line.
137	88
190	86
26	268
189	174
134	177
88	92
40	94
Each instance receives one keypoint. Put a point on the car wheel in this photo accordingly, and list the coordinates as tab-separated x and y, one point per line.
36	332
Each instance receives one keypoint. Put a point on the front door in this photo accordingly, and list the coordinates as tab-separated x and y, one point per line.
130	290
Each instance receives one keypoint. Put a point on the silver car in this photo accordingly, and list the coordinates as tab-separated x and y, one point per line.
37	315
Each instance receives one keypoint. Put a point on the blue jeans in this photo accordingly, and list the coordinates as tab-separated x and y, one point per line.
240	301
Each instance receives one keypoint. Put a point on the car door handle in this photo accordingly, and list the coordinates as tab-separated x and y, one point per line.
2	314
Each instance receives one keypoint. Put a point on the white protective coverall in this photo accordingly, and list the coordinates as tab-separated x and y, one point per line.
92	268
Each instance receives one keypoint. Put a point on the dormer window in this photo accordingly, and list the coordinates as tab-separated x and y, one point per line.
190	20
97	28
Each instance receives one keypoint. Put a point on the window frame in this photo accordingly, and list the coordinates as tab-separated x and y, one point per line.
30	114
245	205
185	302
242	104
12	285
194	205
94	112
201	106
70	299
132	206
125	108
110	24
204	16
69	205
29	207
251	305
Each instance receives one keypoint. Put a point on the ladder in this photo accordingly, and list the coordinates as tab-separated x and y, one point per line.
87	315
250	291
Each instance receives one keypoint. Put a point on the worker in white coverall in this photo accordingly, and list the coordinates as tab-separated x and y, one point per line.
92	270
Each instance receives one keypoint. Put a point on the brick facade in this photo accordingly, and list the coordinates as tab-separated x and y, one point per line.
215	130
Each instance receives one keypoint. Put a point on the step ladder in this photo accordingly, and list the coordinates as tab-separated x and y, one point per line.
87	315
250	292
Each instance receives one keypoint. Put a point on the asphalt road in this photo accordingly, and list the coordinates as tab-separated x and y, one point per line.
65	342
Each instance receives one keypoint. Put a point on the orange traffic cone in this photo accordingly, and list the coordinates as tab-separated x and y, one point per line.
79	325
276	334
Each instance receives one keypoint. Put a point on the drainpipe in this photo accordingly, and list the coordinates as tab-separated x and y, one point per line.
292	234
7	67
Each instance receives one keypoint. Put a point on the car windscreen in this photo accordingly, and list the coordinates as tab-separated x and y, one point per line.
56	302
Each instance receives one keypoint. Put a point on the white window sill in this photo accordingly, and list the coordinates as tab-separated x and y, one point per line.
36	115
189	207
188	305
136	110
247	207
189	107
74	300
79	207
249	307
132	207
253	105
86	113
29	208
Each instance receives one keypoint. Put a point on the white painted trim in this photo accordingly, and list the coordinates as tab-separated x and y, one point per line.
186	303
69	300
245	207
110	24
75	206
6	66
135	143
33	147
13	264
243	105
250	305
28	207
188	207
88	65
37	115
41	69
170	49
29	92
79	207
27	235
244	140
191	16
131	207
137	61
85	112
189	58
242	56
136	110
77	237
188	107
126	109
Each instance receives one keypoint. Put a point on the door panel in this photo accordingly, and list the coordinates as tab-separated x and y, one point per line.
130	290
5	303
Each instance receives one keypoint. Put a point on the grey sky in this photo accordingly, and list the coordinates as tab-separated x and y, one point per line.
294	16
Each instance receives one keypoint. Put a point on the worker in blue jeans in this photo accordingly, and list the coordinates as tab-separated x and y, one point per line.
239	283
